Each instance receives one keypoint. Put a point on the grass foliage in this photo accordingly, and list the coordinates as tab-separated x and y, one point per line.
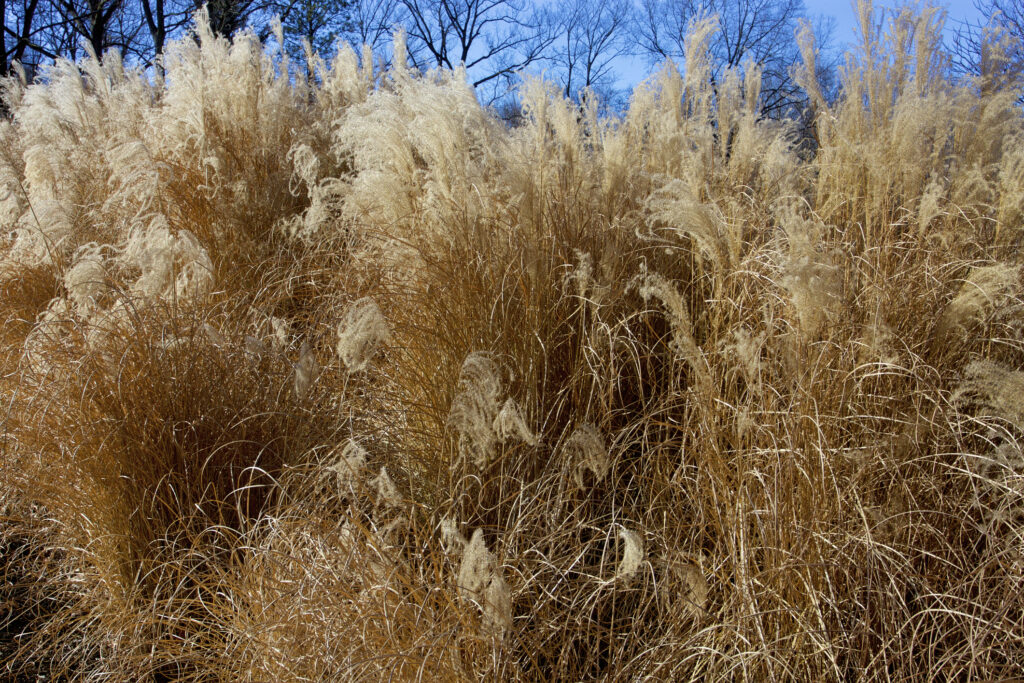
349	380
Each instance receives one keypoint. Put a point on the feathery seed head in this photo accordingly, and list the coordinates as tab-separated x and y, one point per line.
84	281
215	336
585	448
387	491
509	423
746	349
497	605
282	334
930	206
878	342
653	285
172	265
810	278
306	166
361	331
632	554
51	328
480	580
582	274
253	346
985	289
306	370
476	406
476	567
349	465
999	389
674	206
454	541
685	585
44	232
400	54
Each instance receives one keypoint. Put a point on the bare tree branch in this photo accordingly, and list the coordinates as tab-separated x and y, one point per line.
592	36
762	31
493	39
992	50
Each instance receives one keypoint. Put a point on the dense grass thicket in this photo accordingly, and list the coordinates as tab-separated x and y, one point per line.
350	380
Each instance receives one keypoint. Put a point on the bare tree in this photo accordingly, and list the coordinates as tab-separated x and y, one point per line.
93	21
493	39
227	17
316	23
34	32
155	14
18	35
163	19
592	37
759	30
1007	13
993	48
371	22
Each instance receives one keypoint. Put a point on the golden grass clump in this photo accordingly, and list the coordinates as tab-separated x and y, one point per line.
341	378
